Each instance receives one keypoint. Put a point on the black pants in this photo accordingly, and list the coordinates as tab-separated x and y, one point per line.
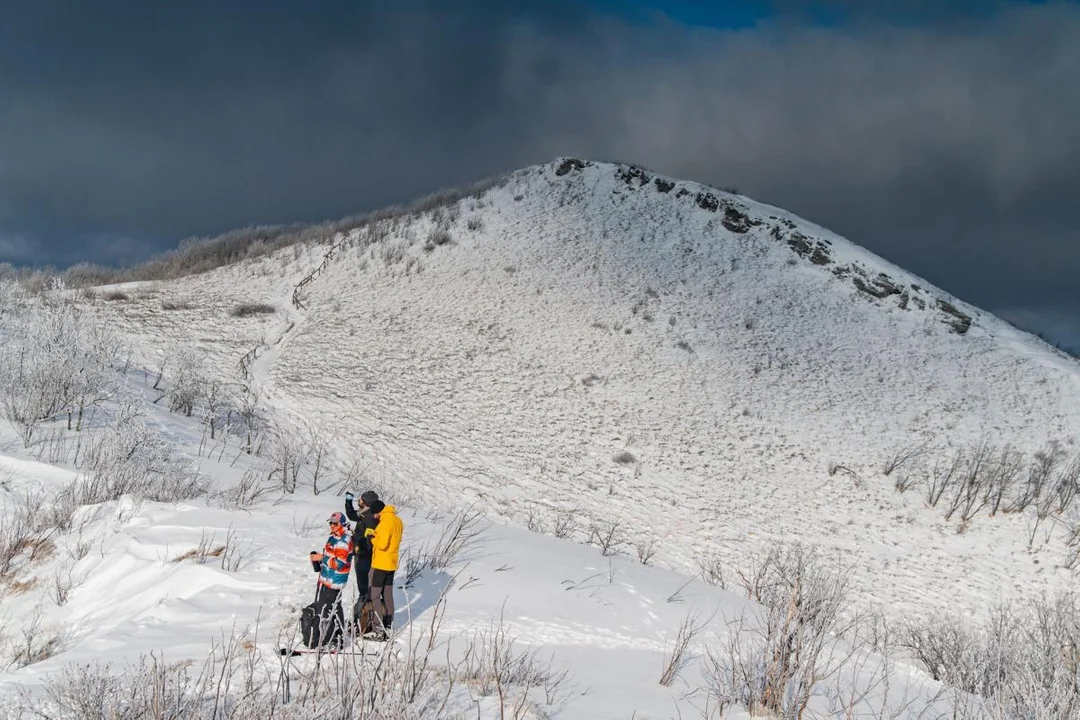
362	568
332	616
327	595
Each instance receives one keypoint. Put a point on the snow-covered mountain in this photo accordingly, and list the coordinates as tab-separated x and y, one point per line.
661	361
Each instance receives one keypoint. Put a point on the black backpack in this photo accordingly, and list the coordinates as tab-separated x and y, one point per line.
321	624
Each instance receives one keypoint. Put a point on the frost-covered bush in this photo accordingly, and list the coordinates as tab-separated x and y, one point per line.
237	682
775	658
53	361
187	380
9	295
198	255
1022	662
131	457
17	532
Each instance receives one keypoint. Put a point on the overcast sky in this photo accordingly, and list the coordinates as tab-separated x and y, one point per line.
944	136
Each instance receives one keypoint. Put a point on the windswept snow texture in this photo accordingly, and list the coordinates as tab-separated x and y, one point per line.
702	369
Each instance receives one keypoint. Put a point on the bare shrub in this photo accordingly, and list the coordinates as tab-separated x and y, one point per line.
475	224
173	305
462	530
679	656
903	457
791	647
246	493
64	582
677	595
319	448
305	527
970	493
131	458
113	295
87	275
202	552
645	549
733	674
608	536
36	642
865	685
904	482
216	397
711	570
288	454
17	533
1040	486
238	682
534	522
34	281
496	668
251	416
563	526
624	457
1021	662
1003	478
416	562
244	310
1038	480
942	477
1066	481
237	552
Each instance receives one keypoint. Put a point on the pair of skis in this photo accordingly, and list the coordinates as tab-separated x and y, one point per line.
374	645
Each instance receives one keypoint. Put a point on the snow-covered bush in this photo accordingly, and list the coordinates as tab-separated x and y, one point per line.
1022	662
237	681
774	659
187	380
131	457
288	454
54	361
9	296
17	533
217	397
36	367
35	280
496	668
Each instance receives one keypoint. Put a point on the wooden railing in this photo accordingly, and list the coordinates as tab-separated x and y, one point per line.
249	357
310	277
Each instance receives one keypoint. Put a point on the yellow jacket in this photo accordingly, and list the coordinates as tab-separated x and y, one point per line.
387	540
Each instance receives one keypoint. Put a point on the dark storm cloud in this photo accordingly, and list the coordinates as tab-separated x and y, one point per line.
949	147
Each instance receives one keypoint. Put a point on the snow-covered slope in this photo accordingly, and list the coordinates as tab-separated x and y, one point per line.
697	369
133	608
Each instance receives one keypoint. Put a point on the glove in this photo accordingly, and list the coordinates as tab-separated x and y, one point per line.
349	496
369	533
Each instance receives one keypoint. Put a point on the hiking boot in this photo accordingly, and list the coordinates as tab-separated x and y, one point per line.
376	635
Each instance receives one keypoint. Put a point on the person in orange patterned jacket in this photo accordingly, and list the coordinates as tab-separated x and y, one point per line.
334	563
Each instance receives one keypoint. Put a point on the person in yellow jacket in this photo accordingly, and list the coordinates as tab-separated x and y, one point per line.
385	543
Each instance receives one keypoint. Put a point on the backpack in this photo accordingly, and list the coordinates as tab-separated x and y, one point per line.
320	624
363	616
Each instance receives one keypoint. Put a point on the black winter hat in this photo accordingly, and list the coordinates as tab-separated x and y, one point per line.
377	507
369	496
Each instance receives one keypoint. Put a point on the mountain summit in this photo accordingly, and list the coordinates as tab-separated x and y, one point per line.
597	350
